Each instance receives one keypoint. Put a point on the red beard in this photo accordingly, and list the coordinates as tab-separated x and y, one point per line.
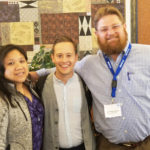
113	45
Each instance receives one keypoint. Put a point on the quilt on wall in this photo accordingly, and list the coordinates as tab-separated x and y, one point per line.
53	25
38	22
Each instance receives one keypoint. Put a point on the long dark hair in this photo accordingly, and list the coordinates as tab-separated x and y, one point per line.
4	50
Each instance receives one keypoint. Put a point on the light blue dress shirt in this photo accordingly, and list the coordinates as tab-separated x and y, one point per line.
133	92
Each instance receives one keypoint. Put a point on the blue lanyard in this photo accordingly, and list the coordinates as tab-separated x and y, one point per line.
115	74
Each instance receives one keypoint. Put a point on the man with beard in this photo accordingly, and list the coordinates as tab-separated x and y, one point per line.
118	78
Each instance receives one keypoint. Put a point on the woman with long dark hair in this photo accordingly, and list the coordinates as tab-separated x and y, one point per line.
21	111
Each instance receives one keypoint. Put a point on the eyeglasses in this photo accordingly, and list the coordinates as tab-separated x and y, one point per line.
115	27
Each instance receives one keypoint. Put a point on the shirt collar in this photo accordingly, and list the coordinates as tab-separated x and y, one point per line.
59	81
127	45
99	52
12	88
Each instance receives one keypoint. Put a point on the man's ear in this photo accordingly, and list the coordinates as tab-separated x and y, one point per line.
125	26
77	57
52	57
96	33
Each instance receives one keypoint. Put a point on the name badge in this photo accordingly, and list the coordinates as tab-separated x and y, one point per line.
112	110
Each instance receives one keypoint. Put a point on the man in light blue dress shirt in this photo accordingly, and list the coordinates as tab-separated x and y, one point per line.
119	80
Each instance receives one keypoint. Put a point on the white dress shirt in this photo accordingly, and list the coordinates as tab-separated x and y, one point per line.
69	103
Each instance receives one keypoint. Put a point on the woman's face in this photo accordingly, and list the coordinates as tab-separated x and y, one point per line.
16	67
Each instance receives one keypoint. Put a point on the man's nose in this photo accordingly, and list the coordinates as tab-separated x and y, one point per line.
110	31
64	59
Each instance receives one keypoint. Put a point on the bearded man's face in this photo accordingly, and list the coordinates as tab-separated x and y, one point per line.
111	35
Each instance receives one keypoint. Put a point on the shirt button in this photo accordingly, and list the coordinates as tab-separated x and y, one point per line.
123	118
125	131
119	90
56	122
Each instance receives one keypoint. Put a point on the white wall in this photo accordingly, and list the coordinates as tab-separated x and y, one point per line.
128	17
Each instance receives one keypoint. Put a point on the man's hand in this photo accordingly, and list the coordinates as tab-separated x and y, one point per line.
33	76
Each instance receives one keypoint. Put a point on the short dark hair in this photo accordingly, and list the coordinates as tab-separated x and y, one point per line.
4	50
64	39
107	10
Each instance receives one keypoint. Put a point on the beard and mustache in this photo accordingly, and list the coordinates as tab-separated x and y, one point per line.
113	45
